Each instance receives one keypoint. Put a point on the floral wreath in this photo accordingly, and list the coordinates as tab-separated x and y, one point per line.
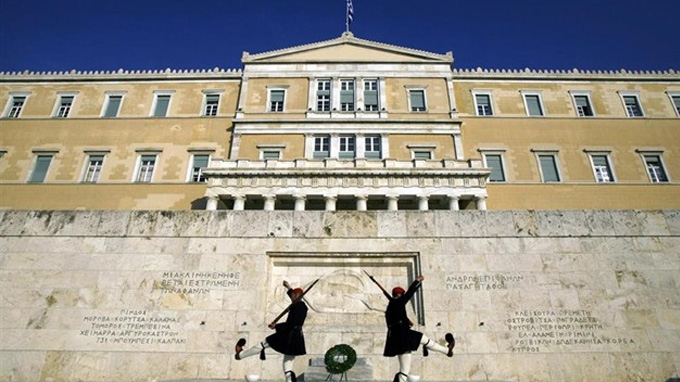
343	352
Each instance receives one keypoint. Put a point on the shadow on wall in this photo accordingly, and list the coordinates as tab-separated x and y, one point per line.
199	204
673	380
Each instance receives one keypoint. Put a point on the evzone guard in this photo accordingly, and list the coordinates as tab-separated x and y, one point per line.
401	339
288	338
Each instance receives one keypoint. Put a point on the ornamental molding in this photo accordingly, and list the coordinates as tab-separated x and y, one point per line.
573	74
122	74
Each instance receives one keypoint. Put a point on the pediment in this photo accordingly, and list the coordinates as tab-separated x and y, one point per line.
348	48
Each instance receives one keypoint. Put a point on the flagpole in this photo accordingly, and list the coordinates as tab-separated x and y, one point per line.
346	16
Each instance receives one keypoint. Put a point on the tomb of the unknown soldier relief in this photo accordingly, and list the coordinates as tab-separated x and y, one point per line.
341	210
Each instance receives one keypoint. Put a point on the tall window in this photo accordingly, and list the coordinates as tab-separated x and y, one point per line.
212	102
161	105
602	168
145	168
655	169
347	144
417	100
321	146
483	104
16	104
347	95
276	98
371	100
42	164
323	95
549	171
632	104
675	99
198	163
372	146
495	163
583	107
64	104
533	105
94	168
112	105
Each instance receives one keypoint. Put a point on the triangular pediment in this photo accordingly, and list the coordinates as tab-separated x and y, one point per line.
348	48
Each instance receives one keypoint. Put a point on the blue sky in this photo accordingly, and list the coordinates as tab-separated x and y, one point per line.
202	34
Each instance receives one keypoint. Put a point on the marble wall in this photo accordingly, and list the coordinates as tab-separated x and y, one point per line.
157	295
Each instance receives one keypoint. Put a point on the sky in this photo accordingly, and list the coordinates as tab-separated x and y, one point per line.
57	35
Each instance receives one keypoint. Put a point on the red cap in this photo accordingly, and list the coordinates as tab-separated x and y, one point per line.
298	290
398	290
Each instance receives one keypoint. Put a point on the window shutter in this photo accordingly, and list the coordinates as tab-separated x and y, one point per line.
347	96
42	163
112	107
162	103
371	97
200	161
276	96
483	100
581	101
496	164
549	168
534	105
600	160
417	99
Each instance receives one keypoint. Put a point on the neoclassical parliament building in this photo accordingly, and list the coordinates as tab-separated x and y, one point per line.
341	124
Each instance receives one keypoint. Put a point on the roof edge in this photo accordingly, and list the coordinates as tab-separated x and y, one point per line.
123	73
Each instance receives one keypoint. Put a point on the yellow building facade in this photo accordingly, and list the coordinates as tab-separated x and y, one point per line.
340	124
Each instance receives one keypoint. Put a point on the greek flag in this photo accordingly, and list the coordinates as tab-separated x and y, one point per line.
350	12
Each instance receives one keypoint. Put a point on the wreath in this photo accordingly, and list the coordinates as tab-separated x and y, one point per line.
340	358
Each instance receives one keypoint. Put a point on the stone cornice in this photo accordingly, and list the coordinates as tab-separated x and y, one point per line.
574	74
122	75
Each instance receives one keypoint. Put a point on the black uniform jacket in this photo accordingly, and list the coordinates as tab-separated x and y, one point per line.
288	338
400	337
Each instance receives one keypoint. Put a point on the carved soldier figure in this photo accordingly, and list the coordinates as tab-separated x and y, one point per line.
288	338
401	339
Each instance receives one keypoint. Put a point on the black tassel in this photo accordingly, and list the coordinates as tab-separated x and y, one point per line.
262	355
396	377
293	378
425	351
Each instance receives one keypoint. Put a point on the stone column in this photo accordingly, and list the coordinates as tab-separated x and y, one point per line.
269	201
239	202
453	203
362	202
330	202
211	205
423	204
392	204
481	203
299	202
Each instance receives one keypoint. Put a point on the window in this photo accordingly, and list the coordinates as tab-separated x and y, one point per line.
212	102
655	168
112	105
602	168
347	147
533	104
146	163
276	97
93	168
422	154
40	167
675	100
371	102
15	105
548	167
494	161
321	147
583	106
483	104
161	104
632	104
417	99
323	95
347	95
271	154
64	104
198	163
372	146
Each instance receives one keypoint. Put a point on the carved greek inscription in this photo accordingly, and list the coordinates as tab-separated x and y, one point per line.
481	282
537	330
198	282
132	327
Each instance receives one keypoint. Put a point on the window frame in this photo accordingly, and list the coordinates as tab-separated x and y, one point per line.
271	148
154	104
414	89
204	104
420	148
582	93
10	104
533	93
373	137
58	104
623	95
270	90
322	137
376	81
107	100
348	140
538	153
671	96
501	154
37	154
190	171
138	165
86	166
487	93
317	82
353	106
662	163
610	165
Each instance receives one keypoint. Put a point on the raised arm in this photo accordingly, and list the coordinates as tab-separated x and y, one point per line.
413	288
